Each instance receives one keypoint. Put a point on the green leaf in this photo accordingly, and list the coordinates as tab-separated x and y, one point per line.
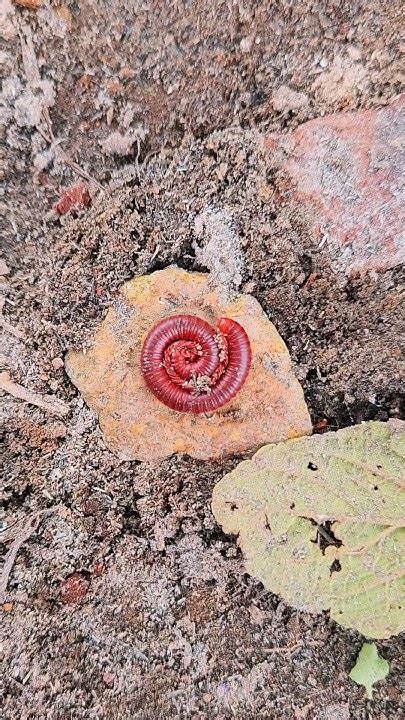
369	668
321	522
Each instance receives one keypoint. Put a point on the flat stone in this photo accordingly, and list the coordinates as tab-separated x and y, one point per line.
270	407
348	171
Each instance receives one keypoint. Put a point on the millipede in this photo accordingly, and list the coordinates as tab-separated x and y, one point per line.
192	367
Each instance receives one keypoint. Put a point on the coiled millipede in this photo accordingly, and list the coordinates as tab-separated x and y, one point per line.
192	367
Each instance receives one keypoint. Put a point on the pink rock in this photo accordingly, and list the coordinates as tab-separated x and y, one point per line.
348	171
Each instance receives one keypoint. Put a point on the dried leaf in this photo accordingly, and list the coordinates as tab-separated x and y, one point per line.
321	523
369	668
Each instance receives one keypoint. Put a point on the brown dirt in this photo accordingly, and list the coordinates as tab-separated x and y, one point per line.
165	623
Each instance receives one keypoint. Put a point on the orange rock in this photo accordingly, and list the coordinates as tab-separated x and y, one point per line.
29	4
270	407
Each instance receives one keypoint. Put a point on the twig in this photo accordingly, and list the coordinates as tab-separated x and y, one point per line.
291	648
8	327
21	534
49	403
29	58
138	152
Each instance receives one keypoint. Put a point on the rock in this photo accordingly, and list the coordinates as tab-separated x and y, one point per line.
348	170
338	711
246	44
42	160
4	269
341	82
354	53
12	88
29	4
73	589
30	105
285	100
269	407
57	363
73	197
220	250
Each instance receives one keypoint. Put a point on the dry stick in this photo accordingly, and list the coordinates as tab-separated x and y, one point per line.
290	648
29	58
21	535
8	327
49	403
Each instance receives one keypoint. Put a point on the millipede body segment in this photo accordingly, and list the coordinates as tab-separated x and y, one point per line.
192	367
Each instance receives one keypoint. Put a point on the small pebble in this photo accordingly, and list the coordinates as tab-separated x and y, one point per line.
57	363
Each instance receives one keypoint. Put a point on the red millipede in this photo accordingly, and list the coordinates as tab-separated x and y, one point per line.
192	367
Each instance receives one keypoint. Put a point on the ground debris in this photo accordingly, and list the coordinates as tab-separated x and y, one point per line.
18	534
219	250
8	327
74	589
49	403
72	197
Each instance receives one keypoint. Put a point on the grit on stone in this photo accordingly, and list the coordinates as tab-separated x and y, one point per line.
125	599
